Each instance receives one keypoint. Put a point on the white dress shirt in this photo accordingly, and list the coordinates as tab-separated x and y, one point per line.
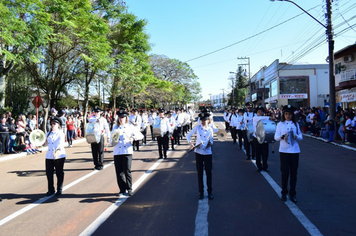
124	145
204	135
282	129
240	119
55	140
103	123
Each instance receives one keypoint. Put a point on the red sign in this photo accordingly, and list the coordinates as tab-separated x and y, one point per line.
293	96
37	101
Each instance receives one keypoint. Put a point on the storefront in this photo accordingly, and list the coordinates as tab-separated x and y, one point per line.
347	98
294	91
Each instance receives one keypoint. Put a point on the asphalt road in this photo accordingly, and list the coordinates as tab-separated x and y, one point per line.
165	200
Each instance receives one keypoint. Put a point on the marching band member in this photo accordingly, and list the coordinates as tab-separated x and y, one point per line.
123	151
97	149
177	134
55	156
203	153
144	124
136	121
226	119
240	126
288	133
151	118
211	123
172	123
233	124
191	117
186	122
162	141
261	149
248	117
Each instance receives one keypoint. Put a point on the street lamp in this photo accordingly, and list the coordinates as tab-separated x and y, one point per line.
329	32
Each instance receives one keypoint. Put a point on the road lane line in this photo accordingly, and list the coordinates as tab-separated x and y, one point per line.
308	225
42	200
106	214
201	219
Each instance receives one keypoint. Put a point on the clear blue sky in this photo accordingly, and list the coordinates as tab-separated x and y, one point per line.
187	29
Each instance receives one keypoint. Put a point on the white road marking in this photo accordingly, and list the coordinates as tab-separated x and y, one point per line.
106	214
308	225
38	202
201	219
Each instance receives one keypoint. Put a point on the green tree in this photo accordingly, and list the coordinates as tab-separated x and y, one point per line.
131	72
23	31
184	83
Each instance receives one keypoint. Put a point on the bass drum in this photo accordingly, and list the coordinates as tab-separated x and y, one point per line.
249	131
93	132
265	131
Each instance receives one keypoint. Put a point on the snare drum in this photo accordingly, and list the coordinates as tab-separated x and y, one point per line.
249	131
265	131
93	132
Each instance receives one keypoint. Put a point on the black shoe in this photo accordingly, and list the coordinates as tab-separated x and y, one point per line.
265	169
293	198
284	198
165	157
59	193
210	196
49	193
173	148
130	193
248	158
201	196
259	169
122	192
253	158
160	157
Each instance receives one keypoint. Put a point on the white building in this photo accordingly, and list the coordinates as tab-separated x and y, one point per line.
218	101
280	84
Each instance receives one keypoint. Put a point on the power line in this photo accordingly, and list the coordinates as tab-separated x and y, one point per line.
245	38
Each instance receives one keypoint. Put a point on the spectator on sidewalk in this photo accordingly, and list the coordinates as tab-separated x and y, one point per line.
331	129
20	128
4	135
348	129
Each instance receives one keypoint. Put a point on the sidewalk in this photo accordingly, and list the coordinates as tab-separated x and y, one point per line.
6	157
350	146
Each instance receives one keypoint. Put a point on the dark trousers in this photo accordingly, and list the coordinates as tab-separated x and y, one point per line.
261	151
123	171
136	144
57	165
151	128
177	134
144	133
204	162
289	168
240	135
233	133
248	145
4	141
227	125
97	150
172	141
162	144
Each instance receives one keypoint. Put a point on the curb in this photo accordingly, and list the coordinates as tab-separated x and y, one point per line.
326	141
23	154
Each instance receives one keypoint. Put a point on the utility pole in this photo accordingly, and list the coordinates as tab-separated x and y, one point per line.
249	73
223	96
329	31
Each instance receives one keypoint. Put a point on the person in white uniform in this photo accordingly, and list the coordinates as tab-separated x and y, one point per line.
261	149
203	153
97	149
288	134
55	156
123	150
